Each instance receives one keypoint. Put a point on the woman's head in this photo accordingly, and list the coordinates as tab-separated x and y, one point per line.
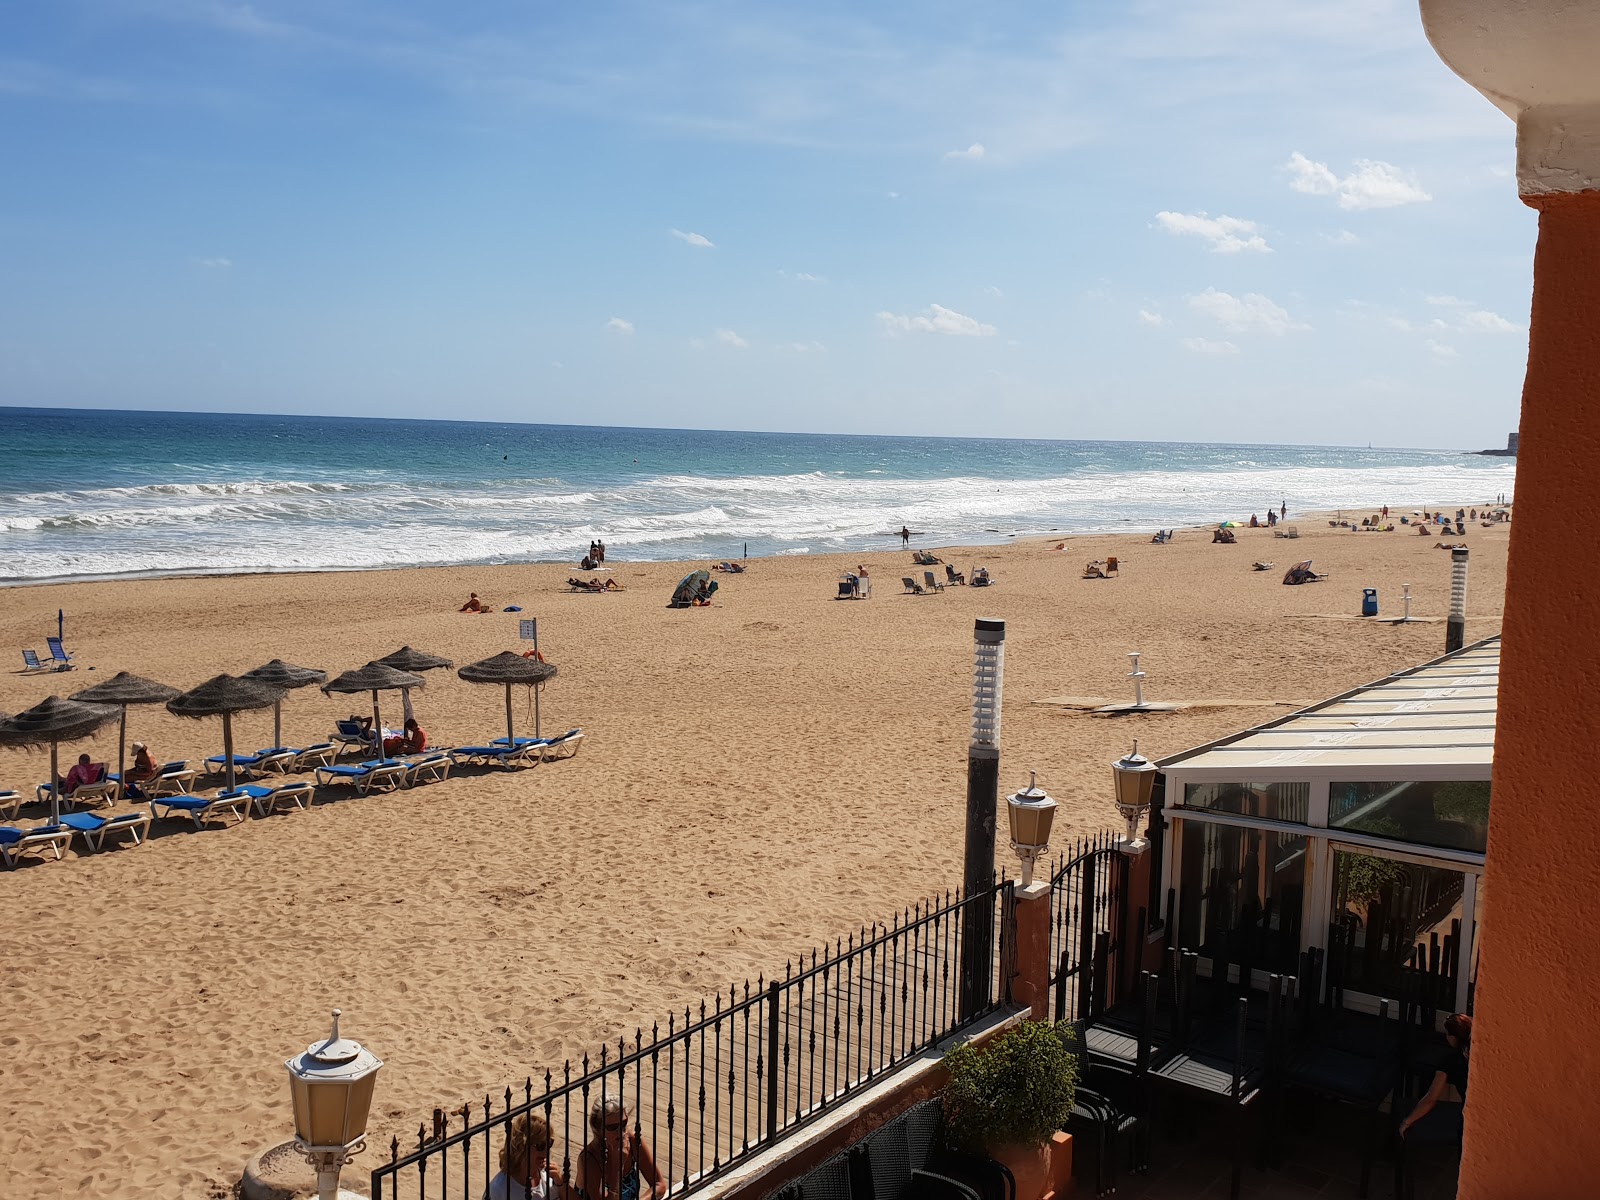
527	1143
608	1117
1458	1028
411	723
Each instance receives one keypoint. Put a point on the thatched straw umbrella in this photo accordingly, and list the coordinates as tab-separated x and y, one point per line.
222	697
280	674
415	661
510	669
125	689
55	721
375	677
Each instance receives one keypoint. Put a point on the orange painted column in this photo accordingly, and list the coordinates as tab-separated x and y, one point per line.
1533	1108
1032	983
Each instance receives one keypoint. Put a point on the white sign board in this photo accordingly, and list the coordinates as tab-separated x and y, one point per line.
529	630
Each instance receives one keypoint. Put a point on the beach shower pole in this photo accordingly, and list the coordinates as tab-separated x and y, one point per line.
1455	631
983	800
1407	615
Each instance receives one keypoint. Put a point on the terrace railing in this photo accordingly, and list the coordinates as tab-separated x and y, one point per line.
743	1071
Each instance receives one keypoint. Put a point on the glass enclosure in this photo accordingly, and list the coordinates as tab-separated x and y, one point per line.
1390	914
1453	814
1270	801
1240	894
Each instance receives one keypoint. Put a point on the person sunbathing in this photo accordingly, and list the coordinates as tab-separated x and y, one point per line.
473	604
85	772
412	741
144	769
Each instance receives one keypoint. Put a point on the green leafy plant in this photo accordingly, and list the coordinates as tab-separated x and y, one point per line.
1017	1090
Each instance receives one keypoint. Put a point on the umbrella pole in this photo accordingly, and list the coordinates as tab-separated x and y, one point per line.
277	725
55	786
377	726
511	735
122	752
536	732
227	747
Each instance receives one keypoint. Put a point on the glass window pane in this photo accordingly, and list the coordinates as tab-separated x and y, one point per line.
1240	893
1454	813
1389	915
1270	801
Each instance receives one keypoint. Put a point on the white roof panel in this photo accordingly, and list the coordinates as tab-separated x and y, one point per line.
1438	716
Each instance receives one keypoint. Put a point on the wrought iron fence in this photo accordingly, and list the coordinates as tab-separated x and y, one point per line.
1086	942
742	1072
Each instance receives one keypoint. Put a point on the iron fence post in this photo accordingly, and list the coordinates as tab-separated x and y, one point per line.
1086	924
772	1061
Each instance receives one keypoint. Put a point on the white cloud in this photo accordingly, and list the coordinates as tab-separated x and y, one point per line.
937	319
802	276
1250	312
894	195
618	325
694	239
1448	301
1340	237
805	347
1400	323
1371	185
729	338
1206	346
1440	350
1224	235
972	153
215	264
1154	320
1483	321
991	290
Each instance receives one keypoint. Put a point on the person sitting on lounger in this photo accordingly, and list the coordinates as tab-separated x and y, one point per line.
980	577
412	741
85	772
473	604
144	769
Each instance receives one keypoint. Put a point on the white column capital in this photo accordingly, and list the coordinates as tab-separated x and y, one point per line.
1536	61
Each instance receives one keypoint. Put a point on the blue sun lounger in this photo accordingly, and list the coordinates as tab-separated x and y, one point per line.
386	775
58	654
95	830
15	841
234	805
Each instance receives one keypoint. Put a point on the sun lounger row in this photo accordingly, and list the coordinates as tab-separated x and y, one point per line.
282	760
520	752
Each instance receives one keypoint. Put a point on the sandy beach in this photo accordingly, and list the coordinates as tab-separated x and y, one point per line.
758	776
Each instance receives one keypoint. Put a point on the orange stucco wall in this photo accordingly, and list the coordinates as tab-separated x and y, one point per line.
1533	1117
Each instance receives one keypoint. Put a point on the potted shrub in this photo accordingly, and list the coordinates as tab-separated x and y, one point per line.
1010	1099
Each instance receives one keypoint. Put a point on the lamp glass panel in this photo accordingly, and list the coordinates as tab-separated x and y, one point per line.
1030	823
1134	787
329	1110
360	1106
300	1094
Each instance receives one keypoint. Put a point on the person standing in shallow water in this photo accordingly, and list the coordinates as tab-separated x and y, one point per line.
905	536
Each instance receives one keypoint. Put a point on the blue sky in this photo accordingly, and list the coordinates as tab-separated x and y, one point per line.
1223	220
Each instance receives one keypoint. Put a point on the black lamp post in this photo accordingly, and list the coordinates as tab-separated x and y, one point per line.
983	799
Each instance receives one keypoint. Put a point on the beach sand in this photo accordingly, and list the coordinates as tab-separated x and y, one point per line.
758	777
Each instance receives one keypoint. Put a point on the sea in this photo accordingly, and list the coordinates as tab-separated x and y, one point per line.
99	494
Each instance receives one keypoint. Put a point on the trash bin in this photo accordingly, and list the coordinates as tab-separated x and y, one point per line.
1369	602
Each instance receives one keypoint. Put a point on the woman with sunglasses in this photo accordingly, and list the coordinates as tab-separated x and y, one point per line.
611	1166
525	1171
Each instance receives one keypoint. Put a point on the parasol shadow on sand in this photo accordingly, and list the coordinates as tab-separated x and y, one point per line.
222	696
375	677
287	676
124	689
55	721
511	669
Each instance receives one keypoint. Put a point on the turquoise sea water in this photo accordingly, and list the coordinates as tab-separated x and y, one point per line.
103	493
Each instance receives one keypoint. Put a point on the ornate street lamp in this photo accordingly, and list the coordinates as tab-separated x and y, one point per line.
1032	812
1135	778
331	1085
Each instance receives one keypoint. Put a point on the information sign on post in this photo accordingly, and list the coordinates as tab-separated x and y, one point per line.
530	629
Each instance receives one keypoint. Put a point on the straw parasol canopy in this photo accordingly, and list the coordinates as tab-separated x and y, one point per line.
124	689
287	676
375	677
415	661
510	669
222	696
54	721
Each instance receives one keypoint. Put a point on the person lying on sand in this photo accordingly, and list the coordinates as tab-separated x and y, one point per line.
473	604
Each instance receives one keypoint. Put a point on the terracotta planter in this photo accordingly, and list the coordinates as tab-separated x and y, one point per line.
1041	1171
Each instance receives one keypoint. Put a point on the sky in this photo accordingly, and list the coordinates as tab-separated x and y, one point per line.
1214	220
